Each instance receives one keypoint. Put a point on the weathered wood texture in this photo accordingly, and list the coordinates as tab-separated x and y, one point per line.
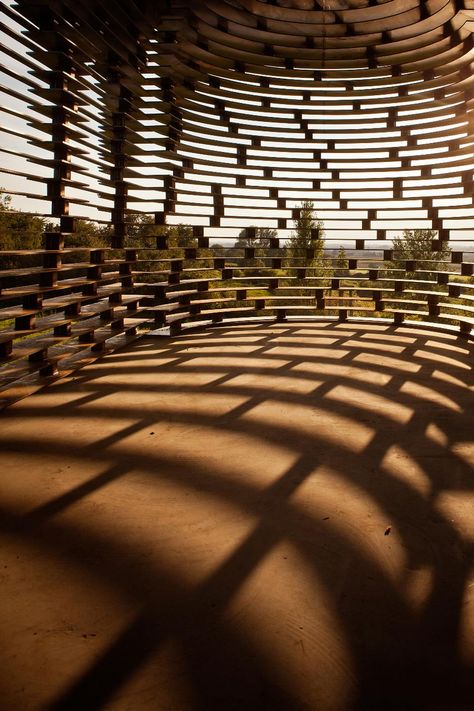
225	116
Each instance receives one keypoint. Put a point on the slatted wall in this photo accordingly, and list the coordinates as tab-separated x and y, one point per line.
225	116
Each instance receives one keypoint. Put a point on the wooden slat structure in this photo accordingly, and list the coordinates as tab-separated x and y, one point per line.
224	115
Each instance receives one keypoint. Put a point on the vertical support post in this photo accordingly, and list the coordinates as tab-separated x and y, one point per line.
64	105
174	129
121	106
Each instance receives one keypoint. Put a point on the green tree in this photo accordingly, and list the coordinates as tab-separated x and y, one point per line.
305	247
181	236
255	237
140	226
341	261
258	238
218	250
265	236
18	231
5	202
417	245
87	234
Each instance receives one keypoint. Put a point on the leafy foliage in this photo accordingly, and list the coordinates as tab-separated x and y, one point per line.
418	245
258	238
19	231
303	237
180	237
341	260
306	244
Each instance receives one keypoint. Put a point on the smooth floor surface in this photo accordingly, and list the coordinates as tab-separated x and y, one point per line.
250	517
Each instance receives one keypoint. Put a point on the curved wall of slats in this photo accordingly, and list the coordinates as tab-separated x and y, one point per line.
225	115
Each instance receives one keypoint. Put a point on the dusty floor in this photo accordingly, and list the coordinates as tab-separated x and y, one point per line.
257	517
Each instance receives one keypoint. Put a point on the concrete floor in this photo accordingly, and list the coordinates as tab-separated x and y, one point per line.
252	517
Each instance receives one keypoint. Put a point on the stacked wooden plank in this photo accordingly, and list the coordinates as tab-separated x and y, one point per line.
226	116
